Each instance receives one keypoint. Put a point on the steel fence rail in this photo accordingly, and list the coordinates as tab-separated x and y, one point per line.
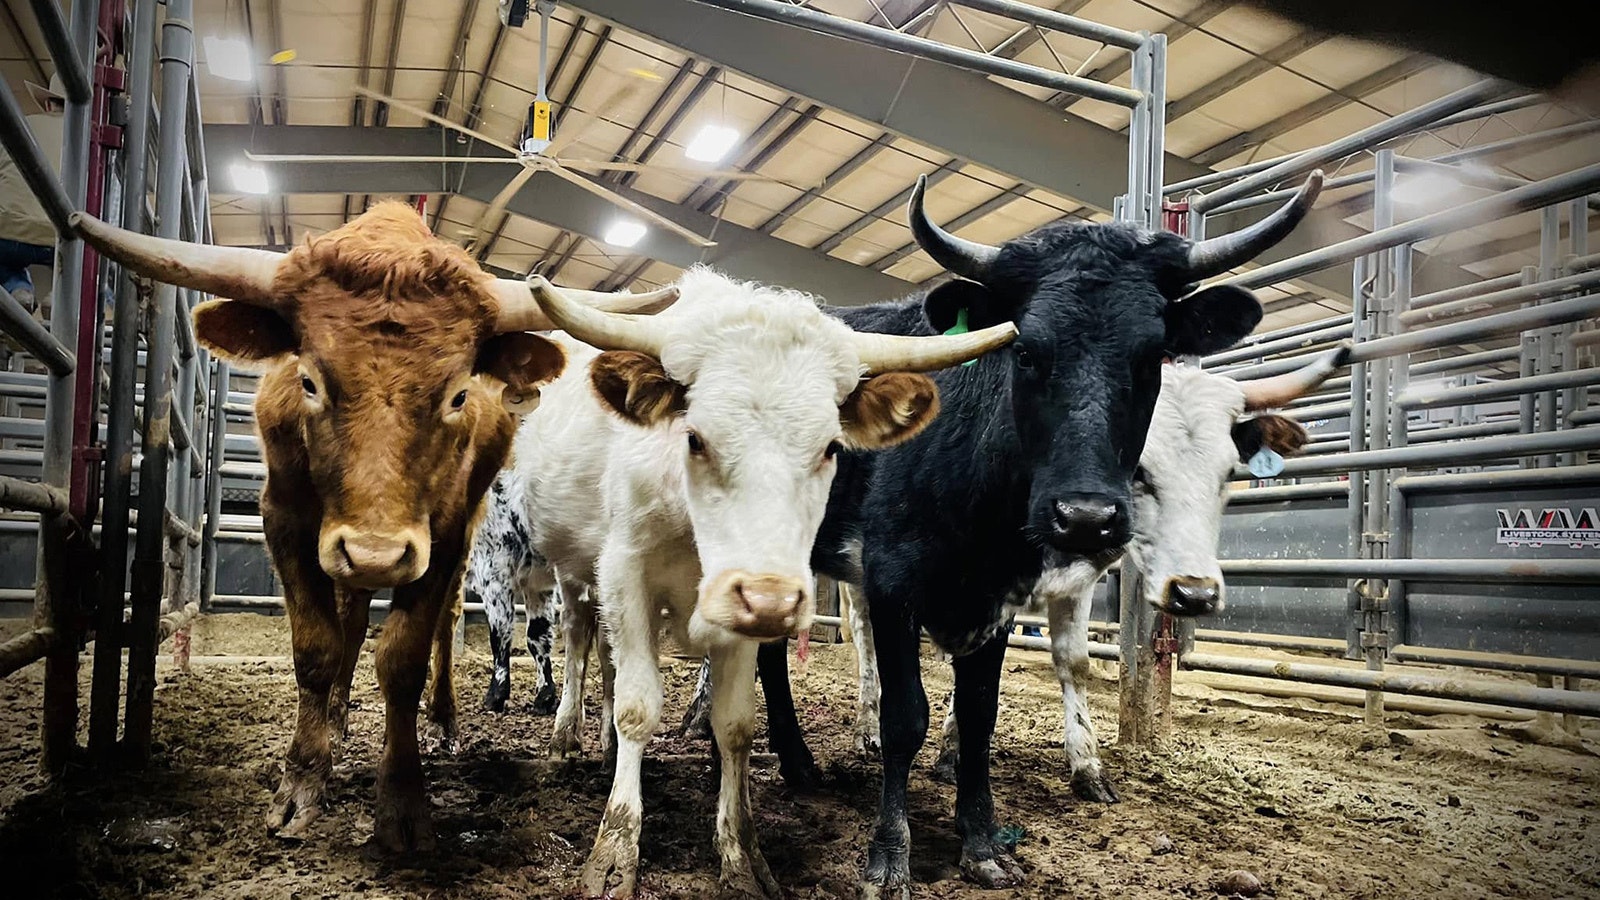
1438	454
1045	18
1470	571
1435	396
34	338
1494	299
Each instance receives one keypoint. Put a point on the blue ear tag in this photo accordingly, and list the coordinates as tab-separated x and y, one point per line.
1266	463
960	327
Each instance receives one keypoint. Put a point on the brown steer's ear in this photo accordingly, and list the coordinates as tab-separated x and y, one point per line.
636	387
250	336
521	361
1277	433
888	409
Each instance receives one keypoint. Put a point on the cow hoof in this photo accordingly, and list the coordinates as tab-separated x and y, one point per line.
545	703
867	743
754	883
566	744
297	804
610	872
404	824
697	721
998	871
495	700
944	768
1091	785
439	739
801	777
888	874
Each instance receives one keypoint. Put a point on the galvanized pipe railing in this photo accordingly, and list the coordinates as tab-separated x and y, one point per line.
1435	397
33	337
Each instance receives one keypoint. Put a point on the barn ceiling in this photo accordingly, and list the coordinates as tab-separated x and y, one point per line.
842	129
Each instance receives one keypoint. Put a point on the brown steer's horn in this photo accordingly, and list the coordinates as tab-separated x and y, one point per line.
899	353
232	273
520	310
969	259
596	327
1214	256
1274	392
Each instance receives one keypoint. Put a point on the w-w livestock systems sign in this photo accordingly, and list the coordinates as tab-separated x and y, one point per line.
1519	527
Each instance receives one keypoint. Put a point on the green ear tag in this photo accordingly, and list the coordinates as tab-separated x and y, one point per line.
960	327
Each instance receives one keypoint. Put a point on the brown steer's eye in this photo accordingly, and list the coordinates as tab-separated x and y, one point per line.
459	400
834	449
696	446
308	386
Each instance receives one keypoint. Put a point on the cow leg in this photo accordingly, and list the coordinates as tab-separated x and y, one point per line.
1068	612
608	694
733	714
542	615
944	767
903	722
318	642
868	691
795	763
578	626
984	859
441	729
613	865
499	607
697	718
403	822
353	613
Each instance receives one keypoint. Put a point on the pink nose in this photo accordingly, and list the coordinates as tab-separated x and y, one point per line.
370	554
374	560
771	604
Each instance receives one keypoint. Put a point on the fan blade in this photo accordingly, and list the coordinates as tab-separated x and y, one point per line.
441	120
600	165
630	206
497	206
360	158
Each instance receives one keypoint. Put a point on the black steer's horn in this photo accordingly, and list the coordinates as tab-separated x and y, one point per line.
969	259
1214	256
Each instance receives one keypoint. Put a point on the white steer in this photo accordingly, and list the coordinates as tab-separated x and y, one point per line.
685	471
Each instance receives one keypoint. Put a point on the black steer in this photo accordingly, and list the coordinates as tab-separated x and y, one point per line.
1030	463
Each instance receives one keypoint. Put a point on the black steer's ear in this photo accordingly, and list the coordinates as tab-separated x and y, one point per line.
1210	320
943	305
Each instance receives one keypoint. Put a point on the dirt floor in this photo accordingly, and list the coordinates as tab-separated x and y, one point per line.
1300	794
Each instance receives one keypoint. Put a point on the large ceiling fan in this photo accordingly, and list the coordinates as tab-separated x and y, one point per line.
539	152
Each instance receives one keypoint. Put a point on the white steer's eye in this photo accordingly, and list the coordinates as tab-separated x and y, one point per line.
696	446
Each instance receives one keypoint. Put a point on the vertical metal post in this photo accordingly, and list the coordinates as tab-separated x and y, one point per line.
1550	339
1356	503
120	412
177	52
1573	399
214	460
1373	593
1394	624
1529	346
60	580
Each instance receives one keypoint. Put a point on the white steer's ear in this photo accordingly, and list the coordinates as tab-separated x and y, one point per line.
636	387
888	409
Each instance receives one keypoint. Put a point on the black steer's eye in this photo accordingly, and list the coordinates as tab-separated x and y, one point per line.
834	449
459	400
1024	358
696	446
307	385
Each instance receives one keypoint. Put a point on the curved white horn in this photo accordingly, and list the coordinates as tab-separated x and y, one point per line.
1213	256
520	309
596	327
927	353
1274	392
232	273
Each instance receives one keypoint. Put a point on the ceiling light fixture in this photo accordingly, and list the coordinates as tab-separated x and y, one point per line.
624	233
712	143
248	179
229	58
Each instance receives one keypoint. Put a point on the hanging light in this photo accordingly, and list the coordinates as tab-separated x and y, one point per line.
229	58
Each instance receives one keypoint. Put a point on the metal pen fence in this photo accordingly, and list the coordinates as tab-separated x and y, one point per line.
98	381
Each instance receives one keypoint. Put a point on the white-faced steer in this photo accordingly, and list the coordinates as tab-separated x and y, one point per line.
709	439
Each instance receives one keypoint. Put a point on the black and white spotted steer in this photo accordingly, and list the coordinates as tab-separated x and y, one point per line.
504	568
1029	467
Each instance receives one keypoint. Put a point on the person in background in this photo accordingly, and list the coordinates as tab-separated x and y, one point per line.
26	236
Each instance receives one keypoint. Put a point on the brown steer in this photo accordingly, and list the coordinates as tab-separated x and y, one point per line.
389	361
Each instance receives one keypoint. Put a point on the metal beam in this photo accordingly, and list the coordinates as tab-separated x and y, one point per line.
883	209
1256	67
1314	110
742	252
997	127
1120	66
458	56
